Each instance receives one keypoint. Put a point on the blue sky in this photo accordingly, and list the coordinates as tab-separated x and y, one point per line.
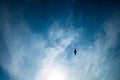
37	39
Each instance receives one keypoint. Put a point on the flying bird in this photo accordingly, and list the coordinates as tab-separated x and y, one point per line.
75	51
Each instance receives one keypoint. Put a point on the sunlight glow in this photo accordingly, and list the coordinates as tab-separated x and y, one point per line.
56	74
52	73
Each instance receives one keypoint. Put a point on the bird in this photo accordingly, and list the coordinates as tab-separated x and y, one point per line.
75	51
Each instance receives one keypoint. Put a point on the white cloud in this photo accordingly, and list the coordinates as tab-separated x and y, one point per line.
36	58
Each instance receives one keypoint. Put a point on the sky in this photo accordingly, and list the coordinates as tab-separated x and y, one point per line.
38	37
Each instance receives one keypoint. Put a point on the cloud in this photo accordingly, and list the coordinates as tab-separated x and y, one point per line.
30	52
112	29
34	57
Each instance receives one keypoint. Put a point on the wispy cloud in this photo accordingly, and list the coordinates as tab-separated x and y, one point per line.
34	57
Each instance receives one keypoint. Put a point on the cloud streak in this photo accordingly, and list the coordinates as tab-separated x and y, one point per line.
34	57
